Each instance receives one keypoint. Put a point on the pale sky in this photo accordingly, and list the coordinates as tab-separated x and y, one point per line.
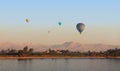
102	20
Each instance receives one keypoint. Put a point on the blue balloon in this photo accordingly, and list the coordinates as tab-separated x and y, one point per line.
80	27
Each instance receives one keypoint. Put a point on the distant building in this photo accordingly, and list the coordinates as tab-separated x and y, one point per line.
58	52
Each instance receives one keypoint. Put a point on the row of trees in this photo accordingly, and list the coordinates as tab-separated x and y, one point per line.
13	52
29	52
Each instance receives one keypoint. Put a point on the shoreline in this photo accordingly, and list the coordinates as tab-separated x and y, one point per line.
57	57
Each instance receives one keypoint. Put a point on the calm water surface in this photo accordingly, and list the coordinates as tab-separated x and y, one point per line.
60	65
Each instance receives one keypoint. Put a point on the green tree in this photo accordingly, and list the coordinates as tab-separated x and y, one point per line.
30	51
25	49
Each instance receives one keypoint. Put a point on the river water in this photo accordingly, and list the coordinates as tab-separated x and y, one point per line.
60	65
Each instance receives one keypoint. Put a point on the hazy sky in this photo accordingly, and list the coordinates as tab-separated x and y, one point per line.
102	20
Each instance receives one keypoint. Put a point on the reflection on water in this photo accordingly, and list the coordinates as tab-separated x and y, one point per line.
24	65
60	65
57	65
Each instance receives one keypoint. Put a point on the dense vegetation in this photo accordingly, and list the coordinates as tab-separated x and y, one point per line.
30	52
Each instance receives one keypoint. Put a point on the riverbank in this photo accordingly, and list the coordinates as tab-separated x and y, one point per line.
56	57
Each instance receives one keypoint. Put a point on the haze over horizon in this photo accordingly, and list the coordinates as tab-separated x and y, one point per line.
72	46
100	17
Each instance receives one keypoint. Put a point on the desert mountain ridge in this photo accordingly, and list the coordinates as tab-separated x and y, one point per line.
72	46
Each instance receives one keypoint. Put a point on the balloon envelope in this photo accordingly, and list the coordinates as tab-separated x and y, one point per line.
27	20
80	27
48	31
60	23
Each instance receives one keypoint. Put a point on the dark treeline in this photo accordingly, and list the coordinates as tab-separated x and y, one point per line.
30	52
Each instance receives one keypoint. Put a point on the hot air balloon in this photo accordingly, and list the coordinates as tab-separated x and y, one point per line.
59	23
80	27
27	20
49	31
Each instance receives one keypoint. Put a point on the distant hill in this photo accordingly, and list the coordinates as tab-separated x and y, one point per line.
72	46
